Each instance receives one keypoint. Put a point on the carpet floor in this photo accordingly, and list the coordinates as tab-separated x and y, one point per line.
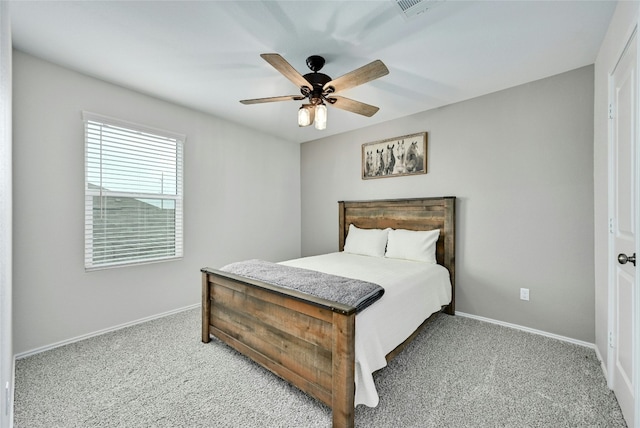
458	372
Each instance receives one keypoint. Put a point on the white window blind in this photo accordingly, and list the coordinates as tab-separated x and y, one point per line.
133	193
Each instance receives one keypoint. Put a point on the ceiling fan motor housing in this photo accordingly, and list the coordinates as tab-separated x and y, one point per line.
317	80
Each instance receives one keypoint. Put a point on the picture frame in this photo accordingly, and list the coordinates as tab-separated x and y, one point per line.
395	157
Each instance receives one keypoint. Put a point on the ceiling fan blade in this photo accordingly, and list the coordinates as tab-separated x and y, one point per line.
280	64
273	99
361	75
353	106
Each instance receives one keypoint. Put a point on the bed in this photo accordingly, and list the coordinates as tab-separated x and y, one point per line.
309	341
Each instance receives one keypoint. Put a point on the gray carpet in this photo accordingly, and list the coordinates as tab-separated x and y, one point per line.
458	373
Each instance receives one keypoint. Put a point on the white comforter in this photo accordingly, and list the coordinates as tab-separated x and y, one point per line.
413	291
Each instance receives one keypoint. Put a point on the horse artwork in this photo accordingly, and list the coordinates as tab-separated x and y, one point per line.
413	161
394	157
391	160
368	167
380	170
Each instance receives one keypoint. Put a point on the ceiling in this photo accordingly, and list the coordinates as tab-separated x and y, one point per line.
205	54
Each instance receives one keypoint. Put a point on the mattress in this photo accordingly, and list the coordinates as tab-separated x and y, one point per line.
413	292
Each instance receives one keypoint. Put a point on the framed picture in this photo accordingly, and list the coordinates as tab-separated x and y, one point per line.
395	157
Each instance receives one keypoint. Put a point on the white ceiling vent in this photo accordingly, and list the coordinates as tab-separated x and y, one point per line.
412	8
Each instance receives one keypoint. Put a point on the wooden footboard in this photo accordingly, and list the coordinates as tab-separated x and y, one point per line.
307	341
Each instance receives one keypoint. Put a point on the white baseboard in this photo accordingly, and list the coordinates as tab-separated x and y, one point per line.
602	365
531	330
106	330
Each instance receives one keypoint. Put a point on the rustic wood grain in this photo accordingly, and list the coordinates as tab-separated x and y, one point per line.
343	370
206	307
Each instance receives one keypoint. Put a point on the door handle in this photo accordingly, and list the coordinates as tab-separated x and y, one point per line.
623	258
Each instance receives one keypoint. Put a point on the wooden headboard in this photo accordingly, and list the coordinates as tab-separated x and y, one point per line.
411	214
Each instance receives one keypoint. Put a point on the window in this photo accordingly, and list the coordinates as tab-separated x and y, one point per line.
133	193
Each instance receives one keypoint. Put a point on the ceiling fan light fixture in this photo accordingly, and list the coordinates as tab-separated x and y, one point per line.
306	115
321	116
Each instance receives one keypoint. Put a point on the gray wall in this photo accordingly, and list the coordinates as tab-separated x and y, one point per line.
241	200
520	162
620	29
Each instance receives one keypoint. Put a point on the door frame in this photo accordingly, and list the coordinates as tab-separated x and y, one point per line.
612	257
7	364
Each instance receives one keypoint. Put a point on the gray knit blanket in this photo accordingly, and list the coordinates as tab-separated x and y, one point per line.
353	292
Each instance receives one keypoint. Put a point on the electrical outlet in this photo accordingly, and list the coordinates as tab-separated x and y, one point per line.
524	294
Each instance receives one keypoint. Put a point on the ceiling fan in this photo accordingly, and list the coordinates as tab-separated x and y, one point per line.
319	88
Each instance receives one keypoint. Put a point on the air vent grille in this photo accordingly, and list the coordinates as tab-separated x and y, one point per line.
411	8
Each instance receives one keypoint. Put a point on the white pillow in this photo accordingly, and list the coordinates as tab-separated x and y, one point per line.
413	245
366	242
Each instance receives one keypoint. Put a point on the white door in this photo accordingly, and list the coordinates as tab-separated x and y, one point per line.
624	122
